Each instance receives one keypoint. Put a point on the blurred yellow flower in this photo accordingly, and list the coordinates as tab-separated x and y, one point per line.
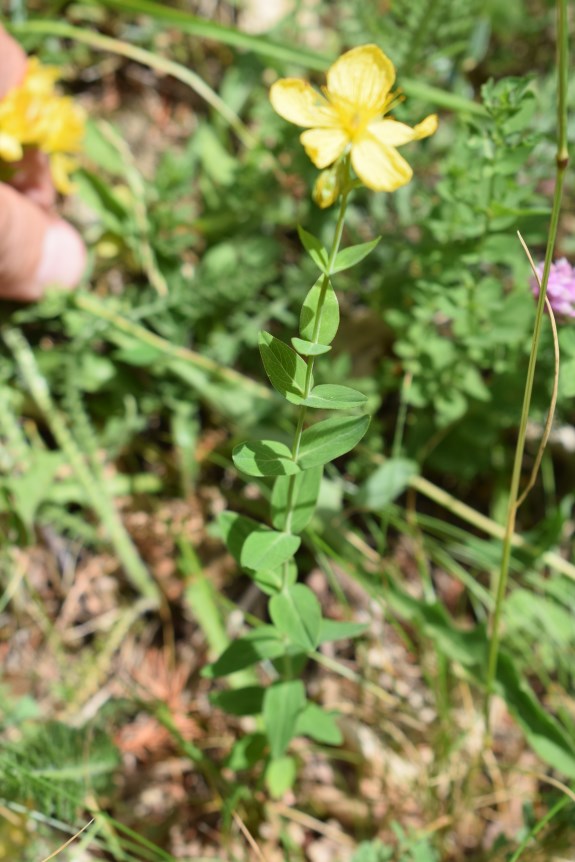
348	118
34	114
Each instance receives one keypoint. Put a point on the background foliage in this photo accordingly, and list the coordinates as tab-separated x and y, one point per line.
122	403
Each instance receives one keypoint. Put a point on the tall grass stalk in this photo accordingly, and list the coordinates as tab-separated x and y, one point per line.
562	160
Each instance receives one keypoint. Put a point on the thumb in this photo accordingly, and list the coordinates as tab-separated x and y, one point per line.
37	250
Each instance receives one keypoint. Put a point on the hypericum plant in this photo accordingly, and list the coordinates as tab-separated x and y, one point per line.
346	130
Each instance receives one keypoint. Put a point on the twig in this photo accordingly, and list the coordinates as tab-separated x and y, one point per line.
68	842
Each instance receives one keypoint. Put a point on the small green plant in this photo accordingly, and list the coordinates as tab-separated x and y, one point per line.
346	131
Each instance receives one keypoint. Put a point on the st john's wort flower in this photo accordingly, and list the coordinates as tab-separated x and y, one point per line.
34	114
348	117
560	288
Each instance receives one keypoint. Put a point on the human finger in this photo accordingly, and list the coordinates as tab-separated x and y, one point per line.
37	250
12	63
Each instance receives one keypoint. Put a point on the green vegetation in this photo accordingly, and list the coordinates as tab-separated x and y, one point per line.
268	585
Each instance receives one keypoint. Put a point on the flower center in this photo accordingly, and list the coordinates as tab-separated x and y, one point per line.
354	117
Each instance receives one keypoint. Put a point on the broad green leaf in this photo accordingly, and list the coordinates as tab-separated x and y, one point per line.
331	396
247	751
280	776
272	581
304	498
296	612
240	701
308	348
314	248
334	630
101	150
254	545
331	438
283	702
100	197
261	643
264	458
285	369
386	483
313	326
319	725
545	735
348	257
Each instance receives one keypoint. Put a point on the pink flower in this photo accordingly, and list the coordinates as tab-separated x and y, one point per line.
560	287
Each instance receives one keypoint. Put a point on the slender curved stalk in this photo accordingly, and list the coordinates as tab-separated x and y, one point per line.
562	162
146	58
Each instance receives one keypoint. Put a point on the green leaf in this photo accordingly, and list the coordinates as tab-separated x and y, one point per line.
265	458
254	545
29	490
240	701
322	293
348	257
261	643
247	751
296	613
285	369
283	702
309	348
319	725
386	483
314	248
331	438
331	396
333	630
280	776
272	581
304	498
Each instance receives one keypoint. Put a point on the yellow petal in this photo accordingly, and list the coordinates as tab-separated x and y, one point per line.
10	148
394	134
379	166
361	78
324	146
298	102
426	128
60	168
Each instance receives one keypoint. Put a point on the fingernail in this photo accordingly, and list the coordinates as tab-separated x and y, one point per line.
63	257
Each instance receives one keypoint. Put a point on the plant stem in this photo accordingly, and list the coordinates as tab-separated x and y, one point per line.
559	806
562	161
147	58
316	329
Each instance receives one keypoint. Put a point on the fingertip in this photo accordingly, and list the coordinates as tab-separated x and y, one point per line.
63	257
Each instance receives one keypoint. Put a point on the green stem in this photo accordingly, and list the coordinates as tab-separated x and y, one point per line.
147	58
310	359
562	161
559	806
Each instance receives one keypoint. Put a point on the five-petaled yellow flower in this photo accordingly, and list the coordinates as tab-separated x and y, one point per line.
349	118
34	114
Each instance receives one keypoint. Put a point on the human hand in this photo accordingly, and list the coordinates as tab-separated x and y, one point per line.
37	248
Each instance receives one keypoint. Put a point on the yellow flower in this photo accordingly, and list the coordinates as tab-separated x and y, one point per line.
348	117
35	115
